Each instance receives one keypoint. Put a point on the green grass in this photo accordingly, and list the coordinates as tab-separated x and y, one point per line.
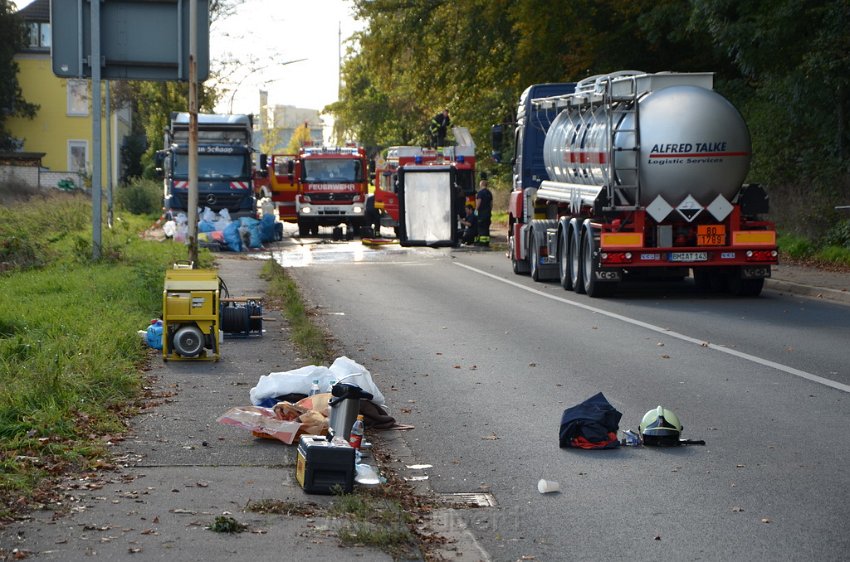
310	339
70	355
801	249
374	518
838	255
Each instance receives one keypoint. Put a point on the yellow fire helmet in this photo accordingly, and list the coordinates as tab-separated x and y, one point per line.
660	427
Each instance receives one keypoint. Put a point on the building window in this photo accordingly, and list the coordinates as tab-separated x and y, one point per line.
78	155
78	97
38	35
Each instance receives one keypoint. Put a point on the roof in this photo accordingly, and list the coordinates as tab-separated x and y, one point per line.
39	10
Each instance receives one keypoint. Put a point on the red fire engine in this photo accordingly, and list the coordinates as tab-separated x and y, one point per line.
461	156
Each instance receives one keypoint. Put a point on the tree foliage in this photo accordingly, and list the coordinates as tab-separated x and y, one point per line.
12	102
784	63
300	137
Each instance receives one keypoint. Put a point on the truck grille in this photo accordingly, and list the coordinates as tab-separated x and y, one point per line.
341	198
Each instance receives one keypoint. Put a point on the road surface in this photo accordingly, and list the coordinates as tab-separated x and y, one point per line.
483	364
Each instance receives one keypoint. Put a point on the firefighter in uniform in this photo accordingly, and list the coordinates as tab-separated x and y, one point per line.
438	128
483	210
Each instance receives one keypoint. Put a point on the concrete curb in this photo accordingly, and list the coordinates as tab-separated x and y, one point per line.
810	291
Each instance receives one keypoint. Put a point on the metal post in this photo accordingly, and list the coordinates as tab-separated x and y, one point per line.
95	62
193	131
109	156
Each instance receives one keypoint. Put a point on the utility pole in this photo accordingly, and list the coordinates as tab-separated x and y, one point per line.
109	212
96	195
193	133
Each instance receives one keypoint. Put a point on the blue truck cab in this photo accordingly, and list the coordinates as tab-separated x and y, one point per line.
225	164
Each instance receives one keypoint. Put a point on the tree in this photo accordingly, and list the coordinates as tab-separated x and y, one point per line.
300	137
12	102
795	59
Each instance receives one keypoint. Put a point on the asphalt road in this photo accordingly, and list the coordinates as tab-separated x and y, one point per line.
483	363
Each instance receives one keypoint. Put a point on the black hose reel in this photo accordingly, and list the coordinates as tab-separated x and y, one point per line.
242	316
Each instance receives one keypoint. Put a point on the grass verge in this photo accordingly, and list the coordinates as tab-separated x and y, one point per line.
70	356
310	339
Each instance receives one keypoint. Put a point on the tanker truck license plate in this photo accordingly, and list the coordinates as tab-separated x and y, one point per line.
711	234
688	256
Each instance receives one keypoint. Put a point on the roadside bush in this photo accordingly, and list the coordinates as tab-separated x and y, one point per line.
30	227
839	234
140	197
839	255
795	247
14	191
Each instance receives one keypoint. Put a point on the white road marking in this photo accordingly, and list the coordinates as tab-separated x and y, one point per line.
746	356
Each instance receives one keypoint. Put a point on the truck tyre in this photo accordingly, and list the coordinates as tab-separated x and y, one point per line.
589	268
519	267
575	261
564	260
533	256
303	229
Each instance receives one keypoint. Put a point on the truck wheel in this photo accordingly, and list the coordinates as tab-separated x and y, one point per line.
519	267
745	287
534	258
592	286
564	261
303	230
575	262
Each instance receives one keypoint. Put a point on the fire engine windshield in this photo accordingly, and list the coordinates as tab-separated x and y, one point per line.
213	166
332	170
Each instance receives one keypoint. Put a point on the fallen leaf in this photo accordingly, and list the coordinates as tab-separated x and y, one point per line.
492	437
665	356
765	520
737	509
532	364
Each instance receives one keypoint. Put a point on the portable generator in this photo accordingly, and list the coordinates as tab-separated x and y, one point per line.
190	315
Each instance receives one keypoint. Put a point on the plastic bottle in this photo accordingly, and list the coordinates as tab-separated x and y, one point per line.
356	436
314	388
154	335
331	385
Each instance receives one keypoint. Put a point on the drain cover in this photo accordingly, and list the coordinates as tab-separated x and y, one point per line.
469	499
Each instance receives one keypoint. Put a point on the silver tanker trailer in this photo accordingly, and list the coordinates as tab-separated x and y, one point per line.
633	175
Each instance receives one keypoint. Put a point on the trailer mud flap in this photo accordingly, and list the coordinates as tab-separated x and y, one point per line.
755	272
609	275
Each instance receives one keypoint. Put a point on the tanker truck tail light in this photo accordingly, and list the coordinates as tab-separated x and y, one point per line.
610	258
762	255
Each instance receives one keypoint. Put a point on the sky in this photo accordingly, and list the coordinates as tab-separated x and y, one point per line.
262	34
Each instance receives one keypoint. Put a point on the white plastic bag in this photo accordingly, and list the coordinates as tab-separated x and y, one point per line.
298	381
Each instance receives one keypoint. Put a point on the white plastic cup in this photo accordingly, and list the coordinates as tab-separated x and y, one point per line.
547	486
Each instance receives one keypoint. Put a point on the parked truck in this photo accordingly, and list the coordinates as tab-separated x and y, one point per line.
633	175
332	186
225	169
